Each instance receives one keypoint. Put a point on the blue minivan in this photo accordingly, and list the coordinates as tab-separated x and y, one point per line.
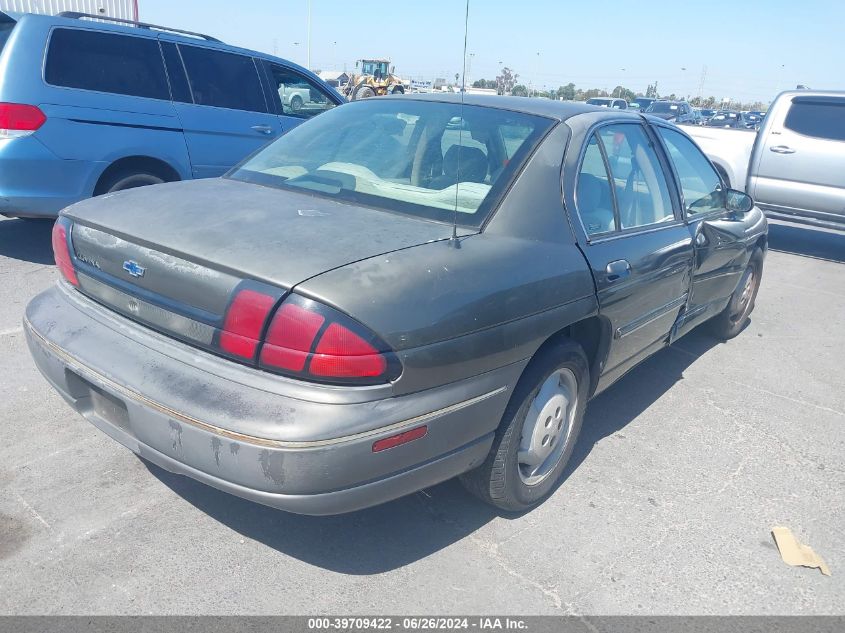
89	106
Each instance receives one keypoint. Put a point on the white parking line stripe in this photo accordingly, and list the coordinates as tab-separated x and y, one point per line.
33	511
14	330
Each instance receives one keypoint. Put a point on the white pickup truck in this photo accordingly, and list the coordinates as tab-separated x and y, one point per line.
794	166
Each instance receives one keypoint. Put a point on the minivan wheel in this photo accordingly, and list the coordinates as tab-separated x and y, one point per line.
538	431
122	181
731	321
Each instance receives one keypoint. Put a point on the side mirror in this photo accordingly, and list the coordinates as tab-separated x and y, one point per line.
739	202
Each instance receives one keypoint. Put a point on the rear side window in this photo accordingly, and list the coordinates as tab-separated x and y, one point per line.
223	80
821	119
106	62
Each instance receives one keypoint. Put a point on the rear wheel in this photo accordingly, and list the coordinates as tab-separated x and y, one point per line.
397	90
296	103
130	180
538	431
364	92
731	321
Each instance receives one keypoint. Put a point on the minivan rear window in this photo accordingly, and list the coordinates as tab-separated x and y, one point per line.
106	62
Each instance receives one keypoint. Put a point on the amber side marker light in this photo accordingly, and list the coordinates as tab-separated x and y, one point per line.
402	438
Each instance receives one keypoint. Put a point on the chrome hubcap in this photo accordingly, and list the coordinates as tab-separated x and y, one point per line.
548	427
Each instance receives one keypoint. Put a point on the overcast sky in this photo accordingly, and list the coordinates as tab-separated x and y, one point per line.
751	48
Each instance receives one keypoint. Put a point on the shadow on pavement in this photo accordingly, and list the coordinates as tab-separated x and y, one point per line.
807	241
398	533
613	409
27	240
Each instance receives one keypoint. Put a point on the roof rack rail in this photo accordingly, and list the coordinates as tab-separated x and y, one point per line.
75	15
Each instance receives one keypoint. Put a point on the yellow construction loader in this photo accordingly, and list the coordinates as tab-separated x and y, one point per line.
375	79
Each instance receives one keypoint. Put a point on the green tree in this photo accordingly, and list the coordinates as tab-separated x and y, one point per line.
519	91
506	81
567	92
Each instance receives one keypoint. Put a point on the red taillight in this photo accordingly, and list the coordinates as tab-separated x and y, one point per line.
342	353
290	337
61	252
402	438
244	322
17	117
311	340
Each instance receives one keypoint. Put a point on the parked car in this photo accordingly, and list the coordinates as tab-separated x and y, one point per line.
91	107
794	166
753	119
728	119
672	111
644	102
608	102
348	318
706	114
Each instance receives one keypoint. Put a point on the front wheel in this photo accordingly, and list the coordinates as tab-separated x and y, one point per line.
538	431
296	103
364	92
731	321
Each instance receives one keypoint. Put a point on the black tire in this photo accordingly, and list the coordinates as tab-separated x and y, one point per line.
498	481
732	320
129	180
296	103
397	90
364	92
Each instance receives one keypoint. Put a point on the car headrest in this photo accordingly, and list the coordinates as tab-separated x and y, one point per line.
473	164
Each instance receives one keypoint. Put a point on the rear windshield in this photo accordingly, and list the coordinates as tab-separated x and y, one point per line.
6	27
662	106
426	159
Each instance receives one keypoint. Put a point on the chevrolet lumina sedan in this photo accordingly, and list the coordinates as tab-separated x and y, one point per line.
381	299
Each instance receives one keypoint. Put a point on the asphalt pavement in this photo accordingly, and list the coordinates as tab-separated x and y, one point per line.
681	471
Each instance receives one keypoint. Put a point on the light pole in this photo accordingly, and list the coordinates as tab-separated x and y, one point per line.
469	68
309	35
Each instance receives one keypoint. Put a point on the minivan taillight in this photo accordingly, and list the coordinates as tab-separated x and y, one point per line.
310	340
17	119
61	251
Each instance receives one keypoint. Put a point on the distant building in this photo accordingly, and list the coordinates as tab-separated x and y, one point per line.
334	78
125	9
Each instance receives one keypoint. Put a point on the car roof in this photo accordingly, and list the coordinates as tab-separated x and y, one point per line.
129	29
559	110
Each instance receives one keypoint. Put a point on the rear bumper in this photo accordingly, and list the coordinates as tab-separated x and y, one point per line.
312	455
34	182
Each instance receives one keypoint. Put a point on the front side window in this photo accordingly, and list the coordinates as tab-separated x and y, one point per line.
700	184
106	62
223	80
642	194
299	96
420	158
819	119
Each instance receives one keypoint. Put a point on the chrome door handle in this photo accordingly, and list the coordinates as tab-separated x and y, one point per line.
618	269
263	129
781	149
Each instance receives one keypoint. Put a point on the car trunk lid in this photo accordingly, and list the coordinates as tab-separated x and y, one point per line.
173	256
